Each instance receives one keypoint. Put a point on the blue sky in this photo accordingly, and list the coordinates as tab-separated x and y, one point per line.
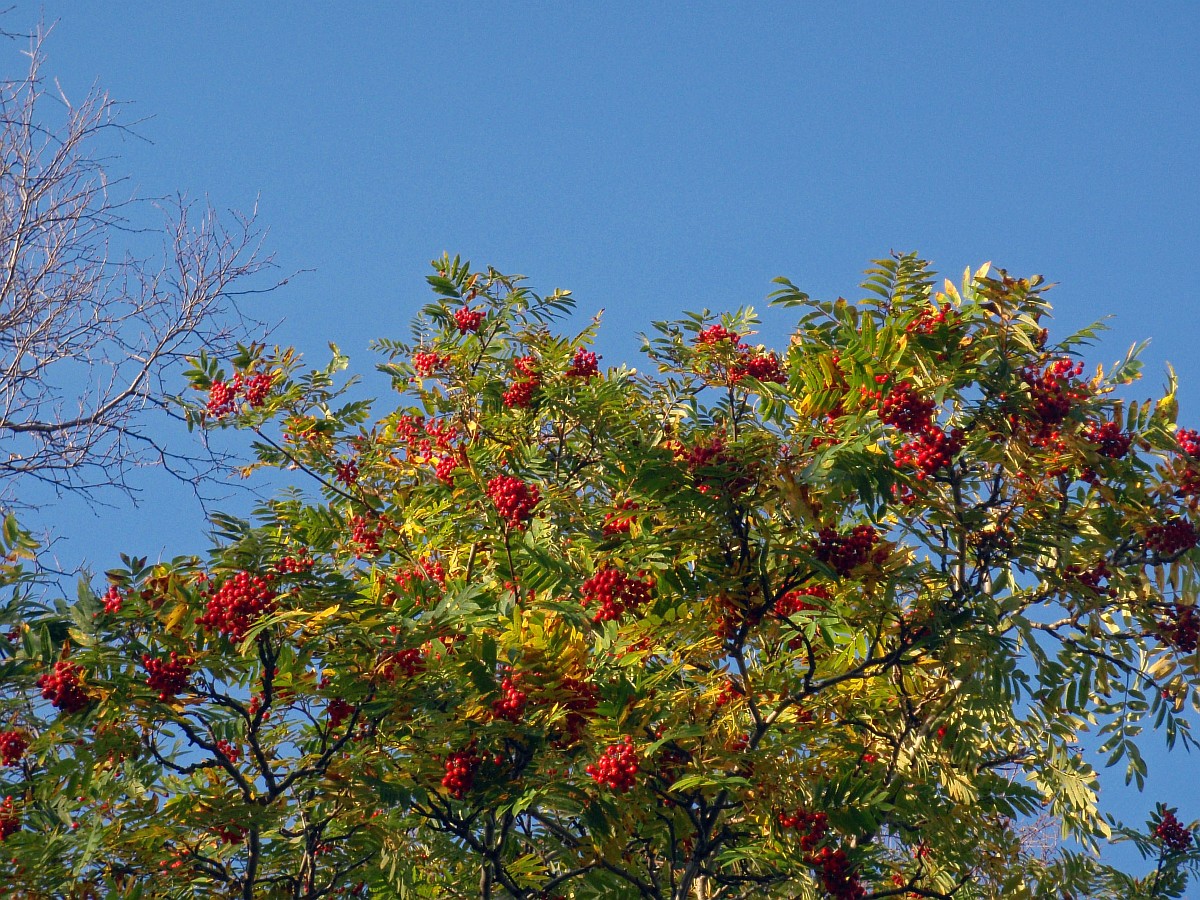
654	158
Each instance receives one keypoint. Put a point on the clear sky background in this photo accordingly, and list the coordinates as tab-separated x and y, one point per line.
660	157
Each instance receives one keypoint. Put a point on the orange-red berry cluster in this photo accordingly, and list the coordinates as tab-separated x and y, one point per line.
1172	537
468	320
615	592
906	410
461	766
338	711
239	602
513	499
526	381
1181	628
168	676
1055	390
619	520
1109	439
837	875
13	745
844	552
1175	837
1189	442
929	319
617	767
812	826
427	363
113	599
10	819
512	701
584	364
223	397
62	687
930	450
801	600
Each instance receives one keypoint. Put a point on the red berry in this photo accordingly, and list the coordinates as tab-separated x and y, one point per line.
615	592
584	364
461	766
1109	439
168	676
1174	836
13	745
240	601
617	766
715	334
10	819
468	320
63	689
514	499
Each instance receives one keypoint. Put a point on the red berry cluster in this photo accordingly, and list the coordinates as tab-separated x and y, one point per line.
526	381
63	689
1092	578
715	334
427	363
617	766
1181	628
230	834
467	319
512	702
256	388
1172	537
585	364
338	712
299	564
905	409
230	751
615	592
1055	390
113	600
513	499
461	766
221	400
620	519
223	397
168	676
931	450
1189	442
445	468
1175	837
346	472
812	825
10	819
730	691
713	468
837	875
365	533
238	603
929	319
1109	439
765	368
801	600
426	579
402	663
844	552
13	745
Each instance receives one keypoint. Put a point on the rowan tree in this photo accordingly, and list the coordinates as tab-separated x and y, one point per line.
826	620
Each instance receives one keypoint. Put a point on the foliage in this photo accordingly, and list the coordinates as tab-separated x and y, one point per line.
831	620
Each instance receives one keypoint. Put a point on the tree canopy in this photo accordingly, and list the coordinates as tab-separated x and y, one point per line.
825	620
